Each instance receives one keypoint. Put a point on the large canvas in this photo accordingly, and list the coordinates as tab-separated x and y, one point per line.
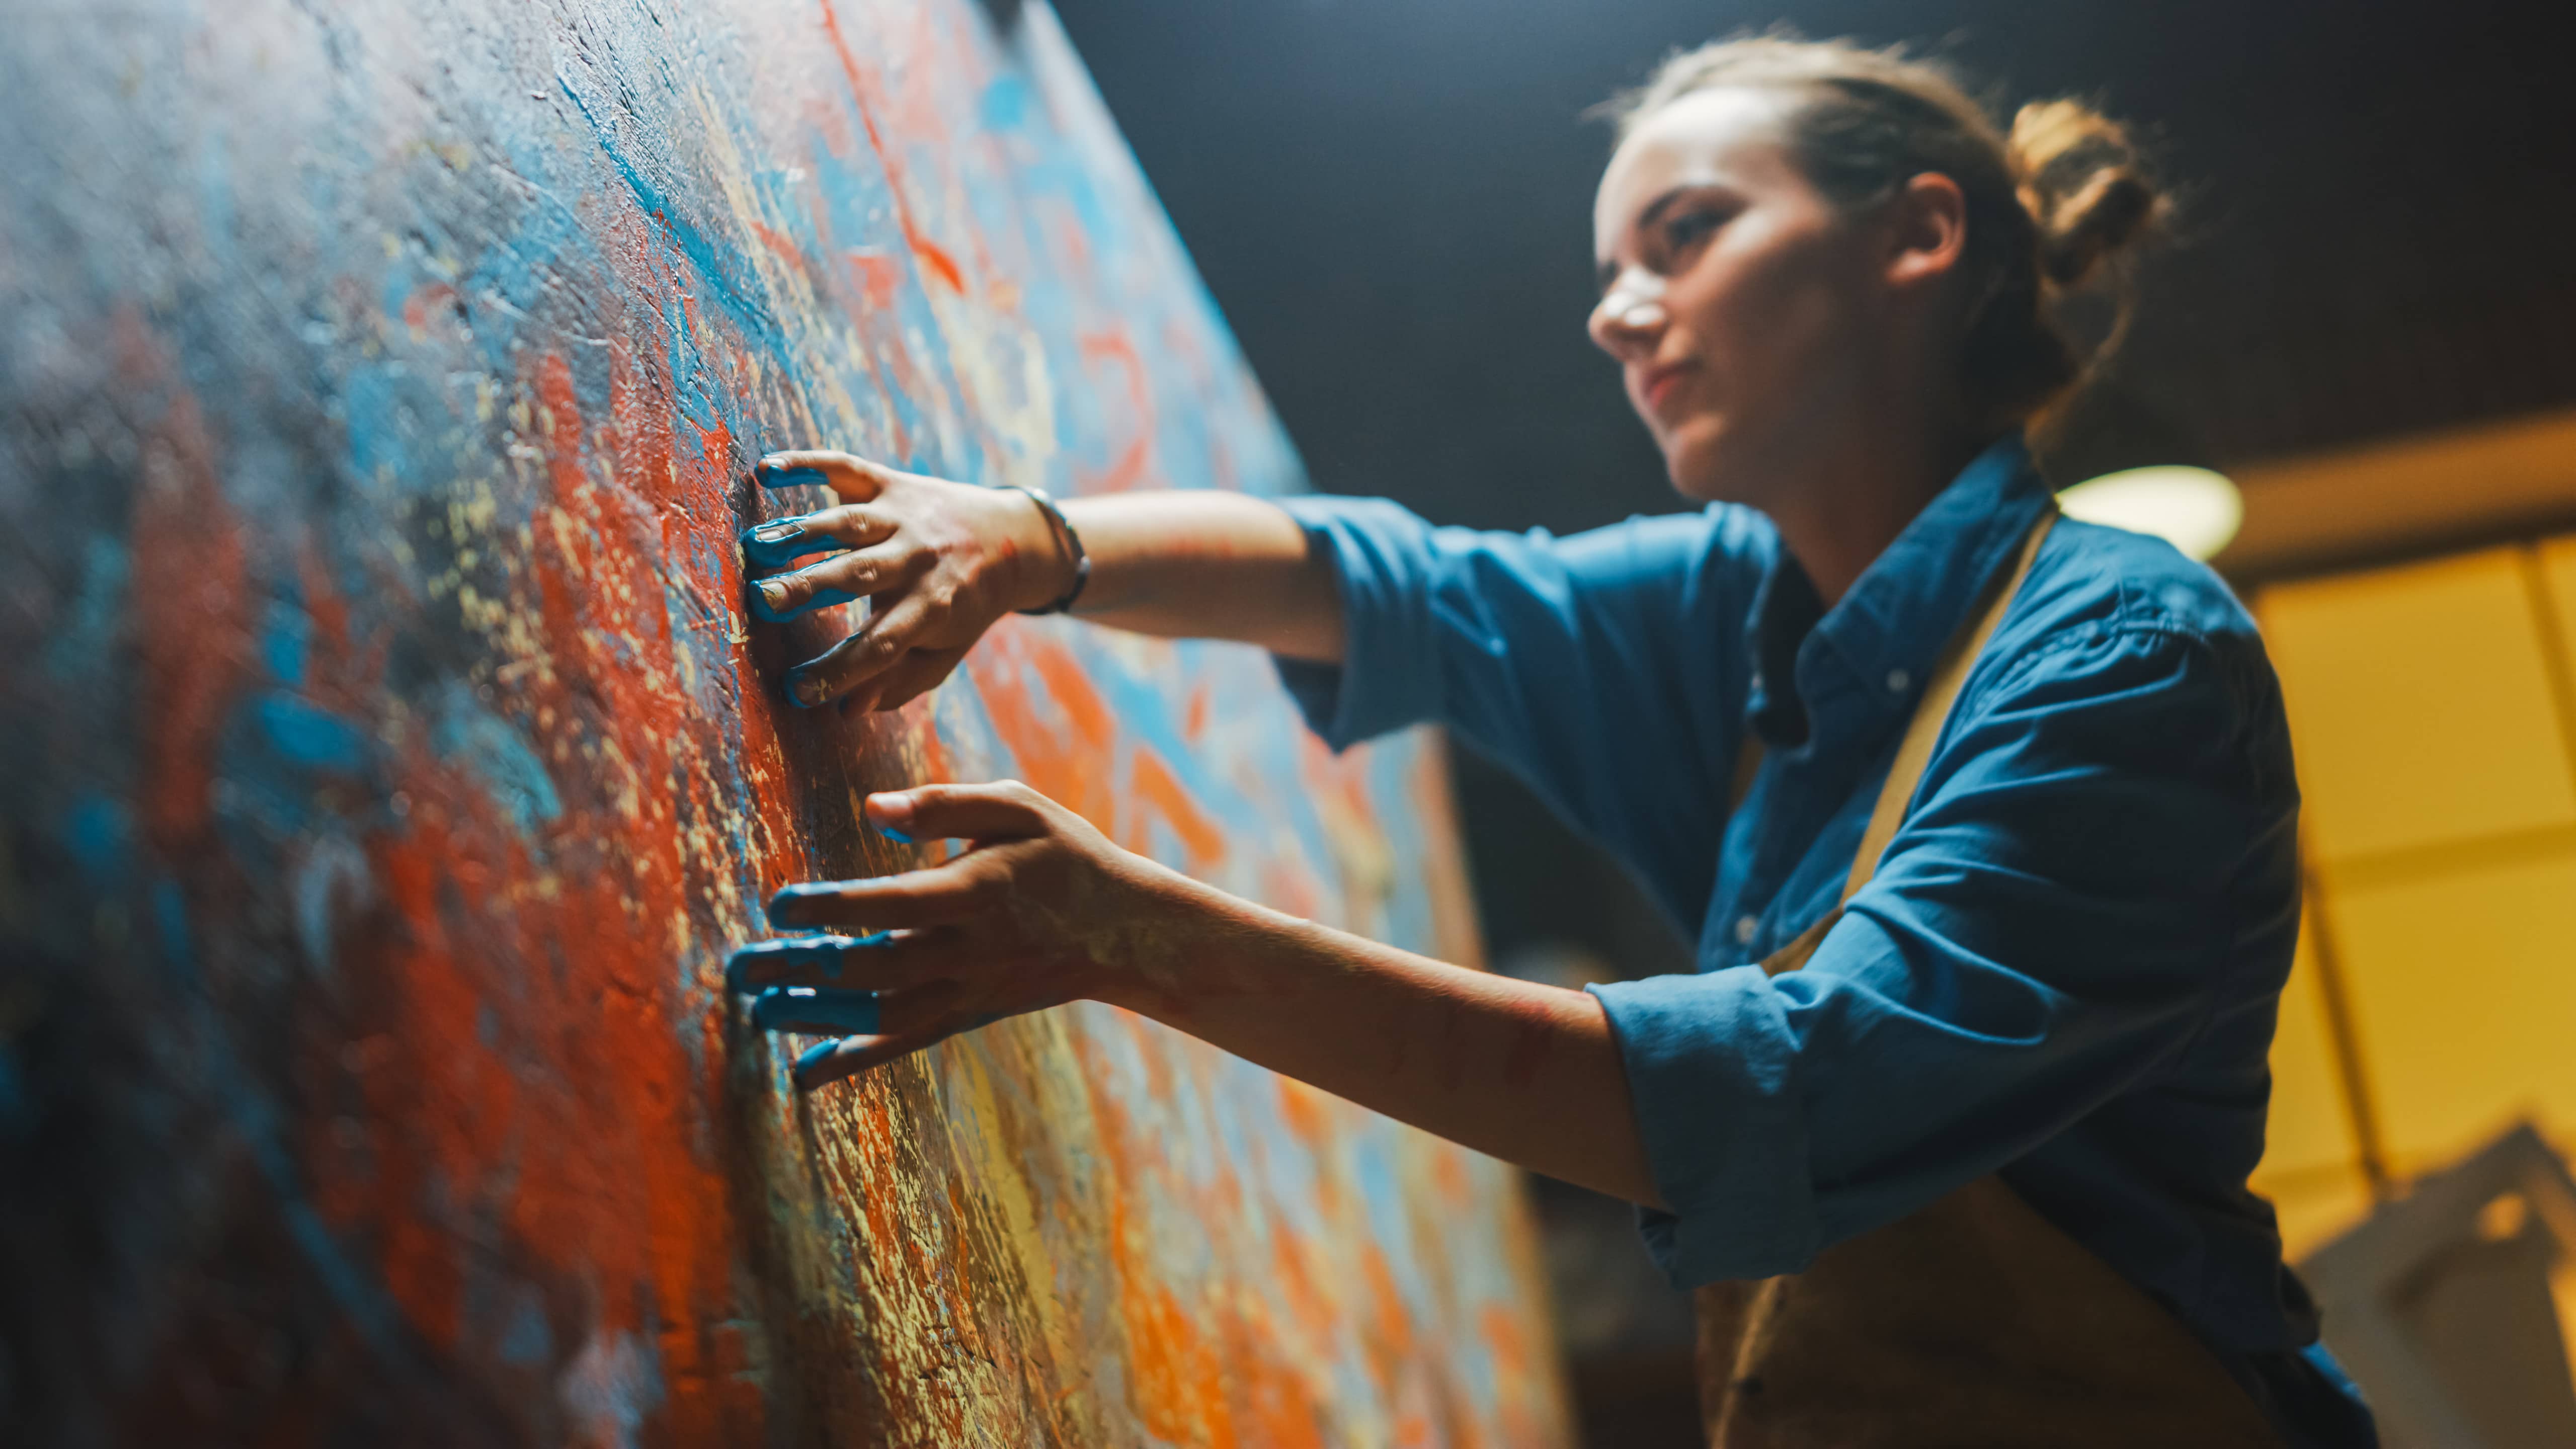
389	762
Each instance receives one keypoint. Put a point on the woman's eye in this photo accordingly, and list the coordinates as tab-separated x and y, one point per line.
1690	228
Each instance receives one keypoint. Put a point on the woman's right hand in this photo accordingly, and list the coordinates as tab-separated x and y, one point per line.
940	561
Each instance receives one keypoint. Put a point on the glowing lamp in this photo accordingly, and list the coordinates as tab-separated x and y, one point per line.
2193	509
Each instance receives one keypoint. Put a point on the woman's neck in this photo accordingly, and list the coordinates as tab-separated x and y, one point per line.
1851	505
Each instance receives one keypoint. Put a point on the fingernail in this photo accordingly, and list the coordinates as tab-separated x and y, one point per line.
788	897
805	689
800	1008
780	531
773	593
813	1057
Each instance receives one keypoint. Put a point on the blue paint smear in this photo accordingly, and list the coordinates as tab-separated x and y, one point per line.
528	1341
284	644
507	764
712	268
100	832
1006	103
88	629
311	736
170	919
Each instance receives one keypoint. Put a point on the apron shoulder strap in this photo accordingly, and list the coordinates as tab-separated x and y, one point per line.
1922	732
1933	711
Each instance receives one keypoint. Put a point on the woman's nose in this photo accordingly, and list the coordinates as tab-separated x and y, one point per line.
1628	318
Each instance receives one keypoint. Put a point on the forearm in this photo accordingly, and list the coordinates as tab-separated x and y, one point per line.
1524	1072
1207	565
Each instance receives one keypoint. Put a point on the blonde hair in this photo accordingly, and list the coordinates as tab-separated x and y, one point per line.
2053	202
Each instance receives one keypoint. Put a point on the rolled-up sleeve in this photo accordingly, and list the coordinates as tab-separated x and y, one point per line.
2042	934
1603	668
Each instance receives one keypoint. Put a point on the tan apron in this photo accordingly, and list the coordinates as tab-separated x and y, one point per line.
1974	1321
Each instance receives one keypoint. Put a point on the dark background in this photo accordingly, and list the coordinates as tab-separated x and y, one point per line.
1391	201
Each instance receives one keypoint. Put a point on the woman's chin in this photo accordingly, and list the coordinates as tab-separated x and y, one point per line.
1695	462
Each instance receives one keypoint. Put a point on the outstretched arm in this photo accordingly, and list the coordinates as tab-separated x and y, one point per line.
941	561
1043	910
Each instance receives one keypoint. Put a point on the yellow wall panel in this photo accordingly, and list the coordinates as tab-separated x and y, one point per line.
2419	705
2309	1126
2311	1167
2463	989
2558	565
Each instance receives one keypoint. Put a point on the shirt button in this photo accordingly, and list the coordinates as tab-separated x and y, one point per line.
1897	680
1746	928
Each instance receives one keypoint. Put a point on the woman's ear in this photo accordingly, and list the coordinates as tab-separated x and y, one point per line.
1928	233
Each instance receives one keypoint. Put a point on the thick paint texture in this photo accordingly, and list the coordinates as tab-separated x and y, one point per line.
392	758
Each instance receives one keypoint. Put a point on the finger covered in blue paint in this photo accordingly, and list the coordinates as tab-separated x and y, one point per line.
770	597
780	542
828	1062
817	1011
775	473
769	963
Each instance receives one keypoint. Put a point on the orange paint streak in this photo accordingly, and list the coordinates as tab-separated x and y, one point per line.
928	252
191	603
424	302
1059	735
594	1171
1388	1324
931	255
1449	1175
877	277
1158	789
1304	1109
1130	468
778	242
1176	1375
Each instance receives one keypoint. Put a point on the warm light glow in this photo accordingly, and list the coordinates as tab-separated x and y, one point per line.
2193	509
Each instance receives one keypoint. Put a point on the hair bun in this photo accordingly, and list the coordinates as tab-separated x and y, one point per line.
2081	179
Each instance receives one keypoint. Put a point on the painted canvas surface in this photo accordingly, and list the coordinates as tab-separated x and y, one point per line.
387	762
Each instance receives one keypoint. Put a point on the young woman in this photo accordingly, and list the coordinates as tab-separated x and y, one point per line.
1986	818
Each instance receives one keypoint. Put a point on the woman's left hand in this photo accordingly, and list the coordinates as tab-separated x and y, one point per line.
1042	909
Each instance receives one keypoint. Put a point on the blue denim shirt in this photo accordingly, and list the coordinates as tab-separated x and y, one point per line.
2064	971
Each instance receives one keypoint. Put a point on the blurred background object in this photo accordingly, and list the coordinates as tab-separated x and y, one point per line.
2366	318
2440	1301
2196	510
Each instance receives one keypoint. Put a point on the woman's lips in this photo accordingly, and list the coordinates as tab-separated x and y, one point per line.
1660	383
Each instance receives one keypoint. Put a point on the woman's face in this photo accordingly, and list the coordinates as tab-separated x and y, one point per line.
1745	309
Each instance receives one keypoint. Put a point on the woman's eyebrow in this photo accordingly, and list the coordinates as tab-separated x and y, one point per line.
1653	210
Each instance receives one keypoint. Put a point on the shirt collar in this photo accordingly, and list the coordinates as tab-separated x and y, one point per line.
1864	661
